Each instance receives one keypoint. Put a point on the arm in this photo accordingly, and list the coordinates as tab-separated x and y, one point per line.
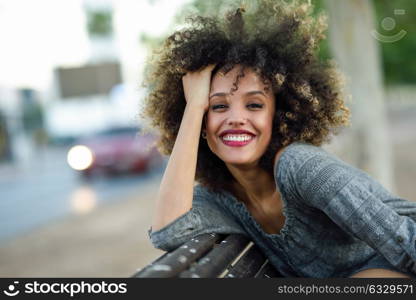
182	210
205	216
176	189
402	207
357	203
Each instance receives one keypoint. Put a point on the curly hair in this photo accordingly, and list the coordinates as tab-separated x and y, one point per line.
279	41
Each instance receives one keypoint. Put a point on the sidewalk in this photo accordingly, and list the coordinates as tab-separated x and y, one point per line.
111	241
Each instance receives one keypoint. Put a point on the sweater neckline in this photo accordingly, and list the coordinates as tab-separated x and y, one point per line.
245	213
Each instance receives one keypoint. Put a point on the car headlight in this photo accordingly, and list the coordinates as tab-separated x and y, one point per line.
80	157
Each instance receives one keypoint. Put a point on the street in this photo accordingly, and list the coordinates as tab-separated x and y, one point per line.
47	189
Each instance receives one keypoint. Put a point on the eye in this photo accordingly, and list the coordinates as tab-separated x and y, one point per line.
255	105
218	106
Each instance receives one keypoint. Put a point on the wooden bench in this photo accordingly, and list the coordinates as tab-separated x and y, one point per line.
212	256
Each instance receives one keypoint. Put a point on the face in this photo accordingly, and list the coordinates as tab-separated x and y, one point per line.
239	124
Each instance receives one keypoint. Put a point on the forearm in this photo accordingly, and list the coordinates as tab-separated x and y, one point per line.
176	188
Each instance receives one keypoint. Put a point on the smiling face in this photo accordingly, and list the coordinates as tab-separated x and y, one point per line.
239	123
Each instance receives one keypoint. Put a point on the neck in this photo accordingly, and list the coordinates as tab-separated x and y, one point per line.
252	183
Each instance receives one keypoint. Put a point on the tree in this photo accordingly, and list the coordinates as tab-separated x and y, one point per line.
366	144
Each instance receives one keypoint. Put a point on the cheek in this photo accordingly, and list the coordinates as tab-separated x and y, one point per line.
212	124
266	125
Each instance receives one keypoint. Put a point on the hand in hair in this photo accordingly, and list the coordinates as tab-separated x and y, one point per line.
196	86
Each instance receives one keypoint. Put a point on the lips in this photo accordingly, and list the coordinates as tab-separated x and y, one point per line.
236	137
236	131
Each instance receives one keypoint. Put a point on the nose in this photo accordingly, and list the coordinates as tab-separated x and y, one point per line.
236	118
236	121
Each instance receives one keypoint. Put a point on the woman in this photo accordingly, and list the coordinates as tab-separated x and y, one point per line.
243	104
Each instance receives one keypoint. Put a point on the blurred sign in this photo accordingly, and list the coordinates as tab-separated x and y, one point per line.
88	80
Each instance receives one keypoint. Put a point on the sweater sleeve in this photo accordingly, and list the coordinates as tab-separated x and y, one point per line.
205	216
355	202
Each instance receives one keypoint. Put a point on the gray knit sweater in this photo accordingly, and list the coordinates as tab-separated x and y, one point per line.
338	219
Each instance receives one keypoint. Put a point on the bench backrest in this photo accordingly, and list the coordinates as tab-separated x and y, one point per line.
212	256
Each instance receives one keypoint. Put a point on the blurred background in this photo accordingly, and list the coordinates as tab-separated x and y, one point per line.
78	174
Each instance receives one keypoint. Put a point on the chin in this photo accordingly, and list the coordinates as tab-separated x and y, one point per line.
239	160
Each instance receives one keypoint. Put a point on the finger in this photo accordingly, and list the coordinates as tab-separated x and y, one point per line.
207	68
211	67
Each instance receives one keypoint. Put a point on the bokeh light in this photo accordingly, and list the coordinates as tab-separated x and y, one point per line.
80	157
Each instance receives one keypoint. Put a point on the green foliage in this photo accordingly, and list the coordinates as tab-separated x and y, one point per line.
100	23
149	41
398	58
399	62
201	7
324	49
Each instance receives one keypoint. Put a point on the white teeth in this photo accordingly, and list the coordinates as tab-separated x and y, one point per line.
237	137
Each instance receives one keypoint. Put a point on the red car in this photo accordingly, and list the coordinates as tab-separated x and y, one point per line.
114	151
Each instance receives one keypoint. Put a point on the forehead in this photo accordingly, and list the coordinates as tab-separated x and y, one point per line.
225	82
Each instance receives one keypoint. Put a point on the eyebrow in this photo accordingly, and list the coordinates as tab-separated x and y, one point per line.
251	93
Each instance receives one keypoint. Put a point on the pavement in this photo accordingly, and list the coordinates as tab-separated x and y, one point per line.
110	241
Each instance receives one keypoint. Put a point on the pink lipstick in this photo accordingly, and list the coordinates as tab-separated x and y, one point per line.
236	138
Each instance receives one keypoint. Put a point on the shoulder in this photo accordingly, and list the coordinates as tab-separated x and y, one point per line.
311	172
294	156
299	163
298	150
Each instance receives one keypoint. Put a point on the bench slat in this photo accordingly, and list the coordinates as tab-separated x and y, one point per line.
171	264
267	271
218	259
209	256
248	265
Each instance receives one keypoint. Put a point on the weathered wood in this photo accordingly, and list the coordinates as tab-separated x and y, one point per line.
267	271
248	265
218	259
171	264
212	256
